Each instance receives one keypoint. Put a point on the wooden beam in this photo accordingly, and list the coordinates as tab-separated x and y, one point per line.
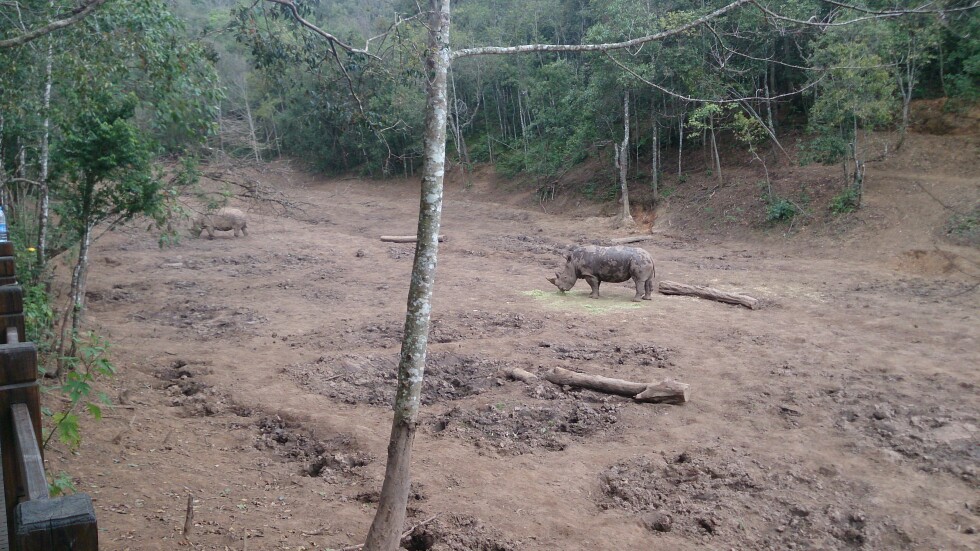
674	288
666	391
31	465
405	238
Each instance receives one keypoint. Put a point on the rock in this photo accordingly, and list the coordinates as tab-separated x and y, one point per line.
657	521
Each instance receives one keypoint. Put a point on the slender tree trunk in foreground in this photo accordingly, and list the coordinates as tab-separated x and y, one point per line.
385	532
623	161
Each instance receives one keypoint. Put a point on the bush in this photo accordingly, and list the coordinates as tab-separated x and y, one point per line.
845	201
780	210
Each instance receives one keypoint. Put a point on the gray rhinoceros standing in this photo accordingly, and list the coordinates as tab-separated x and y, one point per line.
614	264
225	219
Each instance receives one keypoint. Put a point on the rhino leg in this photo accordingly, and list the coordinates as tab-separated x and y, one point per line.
244	232
640	288
236	231
210	232
593	282
648	287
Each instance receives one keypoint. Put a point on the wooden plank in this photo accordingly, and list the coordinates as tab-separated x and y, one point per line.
18	363
8	266
31	464
8	280
65	523
22	393
6	248
11	299
12	320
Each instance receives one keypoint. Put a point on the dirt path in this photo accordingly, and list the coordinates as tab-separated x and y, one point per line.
257	375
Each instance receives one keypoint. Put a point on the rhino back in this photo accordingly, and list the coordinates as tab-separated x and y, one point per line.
613	264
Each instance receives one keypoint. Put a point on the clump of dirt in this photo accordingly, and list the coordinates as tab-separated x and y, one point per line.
335	459
118	293
526	244
198	399
207	321
936	437
714	495
370	378
457	533
518	429
614	354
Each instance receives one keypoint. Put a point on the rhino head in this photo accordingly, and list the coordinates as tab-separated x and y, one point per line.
566	278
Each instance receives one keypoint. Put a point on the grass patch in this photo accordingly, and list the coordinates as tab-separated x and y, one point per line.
580	301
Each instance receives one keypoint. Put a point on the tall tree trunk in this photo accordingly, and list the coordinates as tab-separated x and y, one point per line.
906	85
385	532
252	138
44	192
680	146
78	280
654	162
714	147
623	162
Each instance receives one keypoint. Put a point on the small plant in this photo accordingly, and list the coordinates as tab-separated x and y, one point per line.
779	209
845	201
61	484
964	228
682	179
90	363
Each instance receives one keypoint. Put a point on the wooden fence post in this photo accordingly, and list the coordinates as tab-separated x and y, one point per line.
31	521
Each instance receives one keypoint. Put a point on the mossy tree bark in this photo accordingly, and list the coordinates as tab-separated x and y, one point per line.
385	532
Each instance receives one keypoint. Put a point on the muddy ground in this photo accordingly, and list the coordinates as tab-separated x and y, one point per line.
256	374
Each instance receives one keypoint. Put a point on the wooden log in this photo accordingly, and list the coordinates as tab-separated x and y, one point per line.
405	238
634	239
8	266
674	288
63	523
666	391
519	374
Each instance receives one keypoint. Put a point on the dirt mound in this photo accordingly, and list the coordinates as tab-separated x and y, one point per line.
724	497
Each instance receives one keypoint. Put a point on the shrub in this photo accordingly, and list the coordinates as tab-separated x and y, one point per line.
780	210
845	201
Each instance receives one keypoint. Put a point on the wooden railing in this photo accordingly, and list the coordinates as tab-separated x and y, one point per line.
33	520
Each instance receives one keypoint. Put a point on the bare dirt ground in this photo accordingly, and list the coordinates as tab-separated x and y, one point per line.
257	375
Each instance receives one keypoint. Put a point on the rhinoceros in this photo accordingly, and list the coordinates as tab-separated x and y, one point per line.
614	264
225	219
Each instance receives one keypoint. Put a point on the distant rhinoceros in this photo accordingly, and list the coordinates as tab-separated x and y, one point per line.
225	219
614	264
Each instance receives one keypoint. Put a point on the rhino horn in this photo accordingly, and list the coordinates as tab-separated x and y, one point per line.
552	280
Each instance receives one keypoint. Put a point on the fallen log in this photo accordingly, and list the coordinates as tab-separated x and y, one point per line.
405	238
634	239
519	374
674	288
666	391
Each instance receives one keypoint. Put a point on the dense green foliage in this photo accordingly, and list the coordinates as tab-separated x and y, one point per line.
539	113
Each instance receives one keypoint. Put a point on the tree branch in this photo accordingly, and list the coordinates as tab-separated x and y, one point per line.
706	100
289	5
78	14
496	50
